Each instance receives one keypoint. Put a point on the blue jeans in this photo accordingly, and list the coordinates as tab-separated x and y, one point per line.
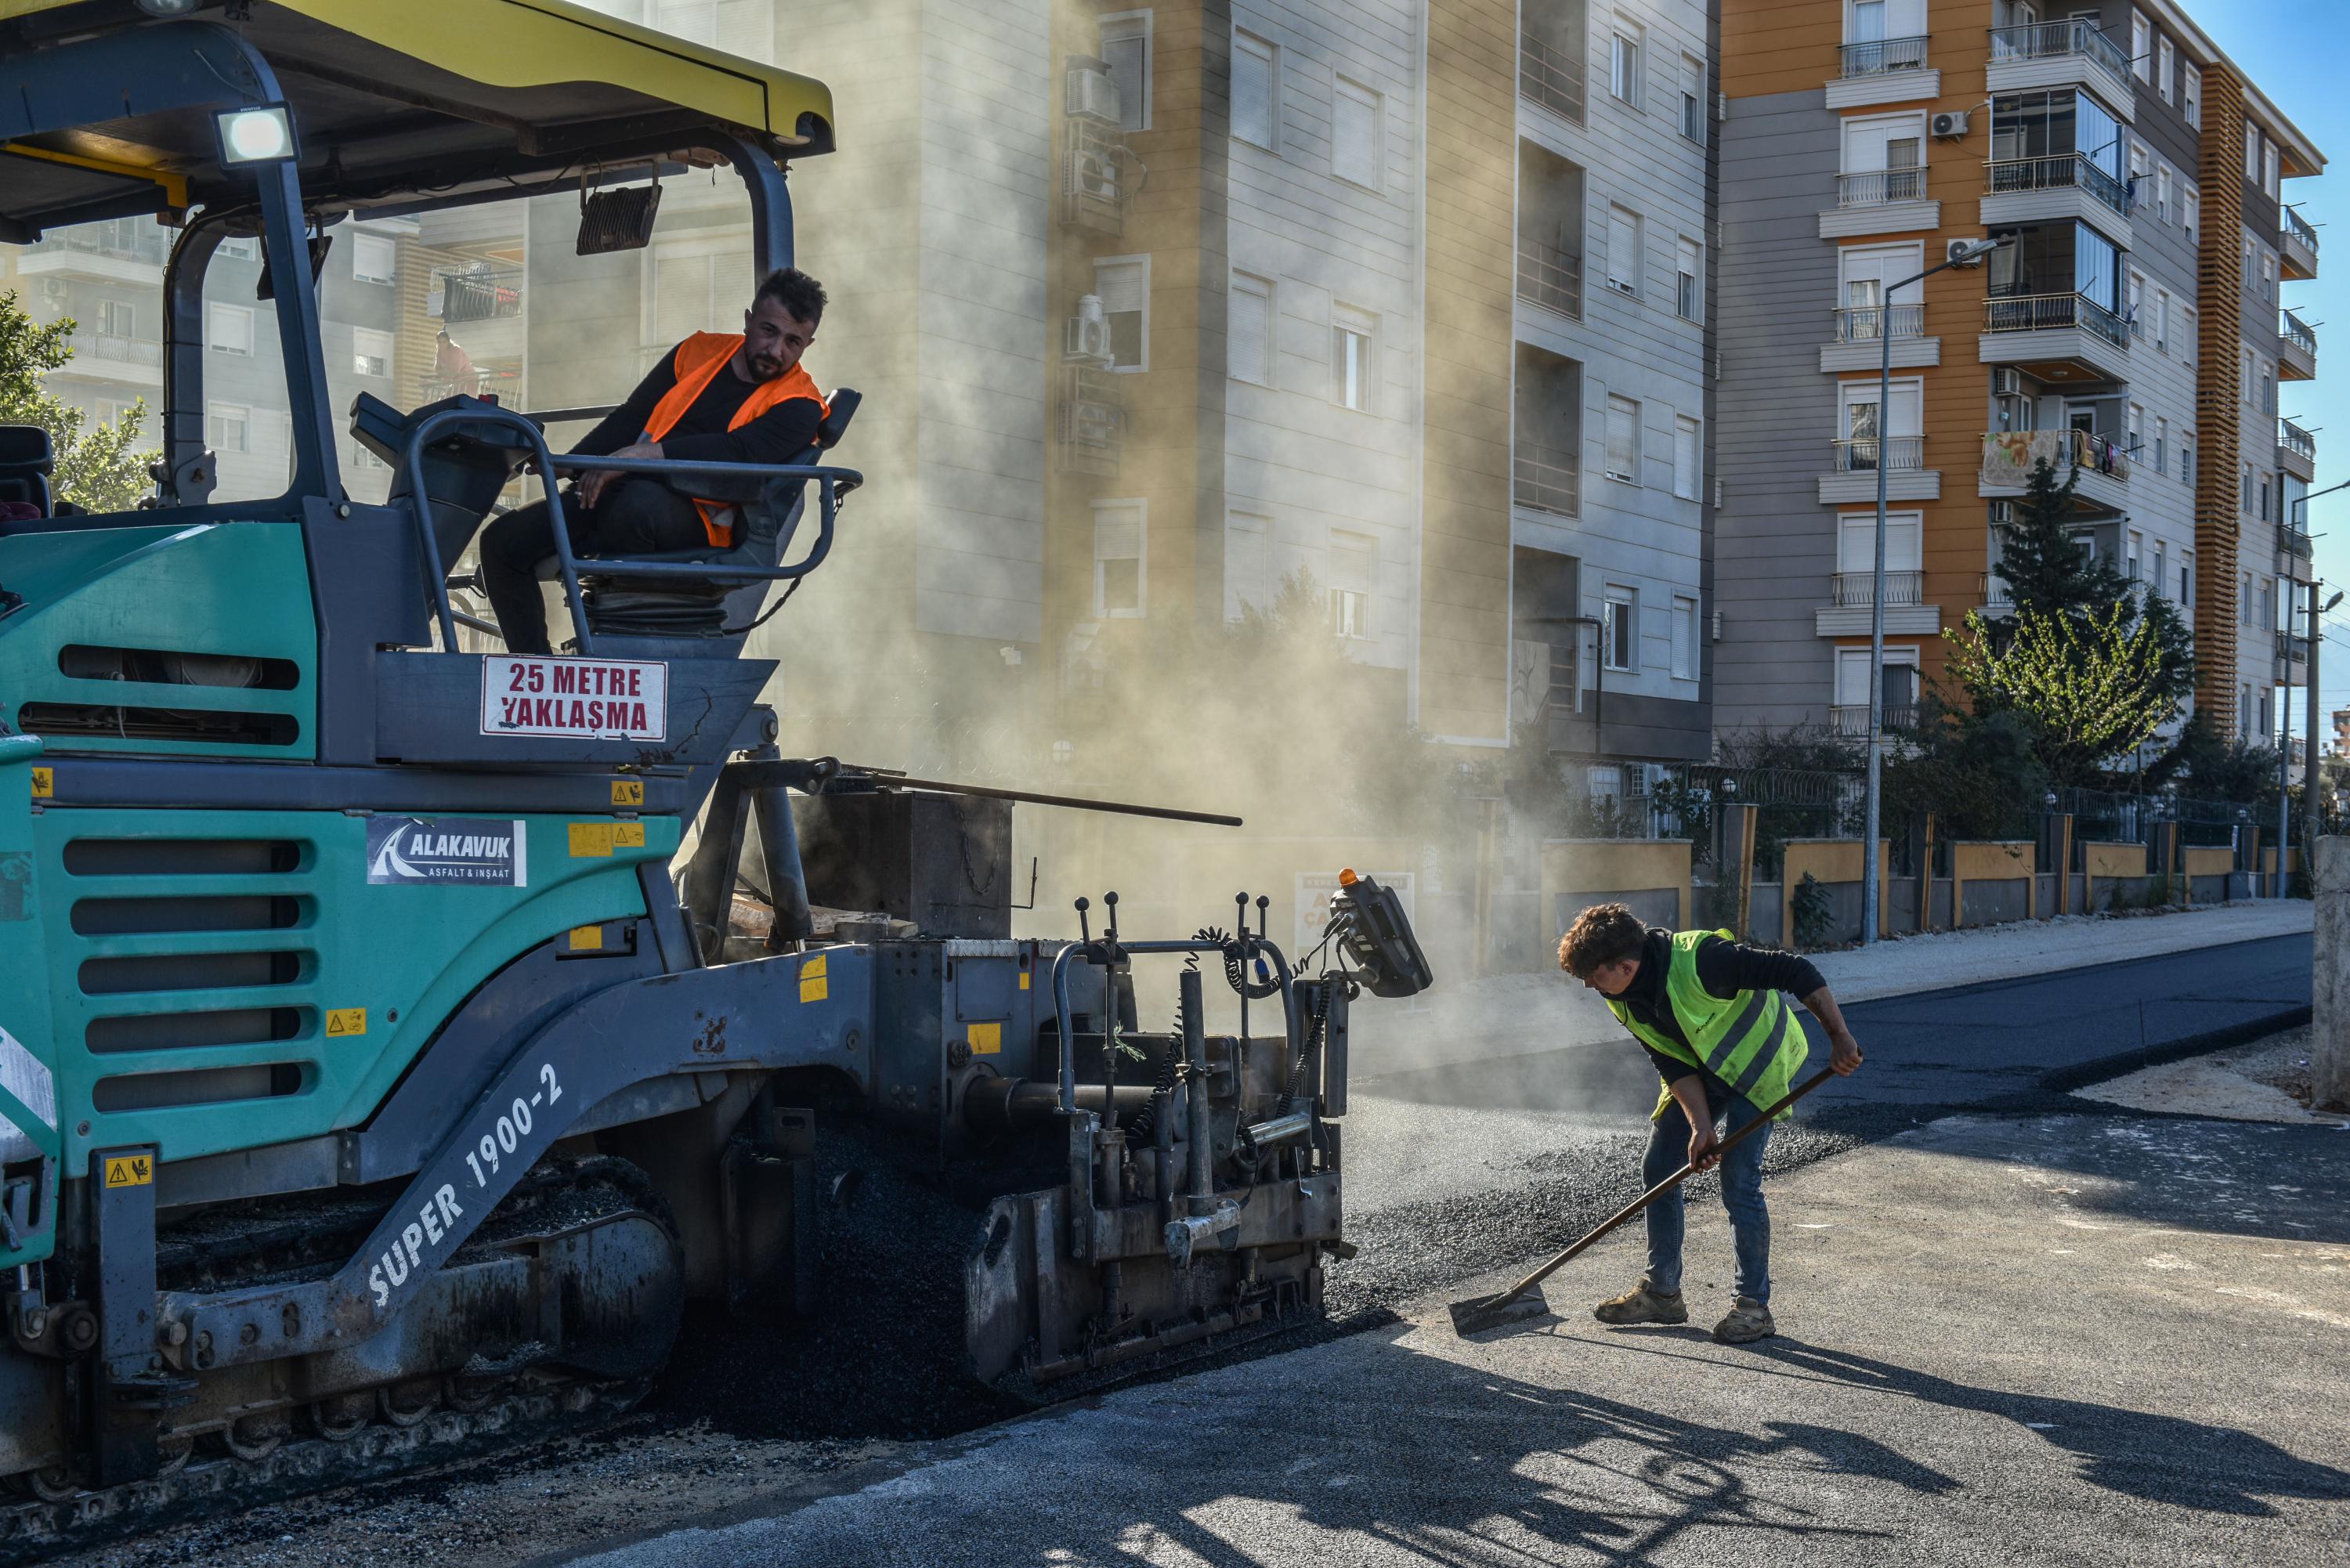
1741	1194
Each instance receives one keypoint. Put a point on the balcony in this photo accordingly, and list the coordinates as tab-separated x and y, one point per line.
2296	351
1854	590
2292	542
1550	77
500	379
2099	466
1887	70
2298	253
1849	610
2055	337
1880	187
1992	590
1090	421
1551	279
1880	202
1852	718
2297	450
477	293
2043	189
108	357
2060	54
1545	479
1857	334
2292	651
1853	469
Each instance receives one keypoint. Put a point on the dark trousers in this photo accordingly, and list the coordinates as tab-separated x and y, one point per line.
636	517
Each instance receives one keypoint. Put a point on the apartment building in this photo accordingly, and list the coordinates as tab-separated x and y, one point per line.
2130	330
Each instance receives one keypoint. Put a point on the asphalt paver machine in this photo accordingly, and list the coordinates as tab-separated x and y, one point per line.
369	1052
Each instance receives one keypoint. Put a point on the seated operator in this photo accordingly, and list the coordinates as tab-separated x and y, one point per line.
717	397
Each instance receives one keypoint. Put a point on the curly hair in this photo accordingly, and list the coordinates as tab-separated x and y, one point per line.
1602	934
802	298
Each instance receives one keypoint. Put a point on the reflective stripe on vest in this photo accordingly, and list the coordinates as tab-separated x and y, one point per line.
696	363
1752	1041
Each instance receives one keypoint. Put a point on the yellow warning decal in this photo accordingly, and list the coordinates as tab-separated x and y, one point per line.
342	1021
128	1170
813	979
597	840
627	792
587	939
986	1039
1024	979
45	783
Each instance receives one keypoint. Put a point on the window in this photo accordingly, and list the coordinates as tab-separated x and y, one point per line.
1619	630
2162	193
2130	550
364	457
1692	99
1123	285
1623	440
2186	579
2245	375
1120	573
1684	638
2245	489
1353	336
1866	271
1623	249
1256	95
1866	24
2163	57
2190	212
2262	485
2269	168
1355	135
228	329
2252	152
1890	146
2190	88
228	427
2142	48
1904	542
238	250
2134	429
2268	276
1250	348
2162	321
374	258
1246	537
1861	428
697	286
1354	561
118	319
2134	305
2187	343
370	352
1126	49
1687	457
2161	446
2159	579
1897	680
1623	66
2187	464
1689	287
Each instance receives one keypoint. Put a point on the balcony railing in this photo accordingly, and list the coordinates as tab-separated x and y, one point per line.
1860	453
117	349
2048	312
2291	541
1874	59
1992	589
2009	456
1852	718
2007	176
2296	441
2045	40
2298	227
2297	333
475	295
2292	648
1546	479
1552	77
125	239
1879	186
1551	279
1862	322
1853	591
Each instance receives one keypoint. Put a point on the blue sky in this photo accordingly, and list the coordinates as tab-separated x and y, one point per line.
2298	52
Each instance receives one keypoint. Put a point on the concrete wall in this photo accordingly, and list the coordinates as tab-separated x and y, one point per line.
2100	860
1577	873
1993	881
1836	863
2329	1056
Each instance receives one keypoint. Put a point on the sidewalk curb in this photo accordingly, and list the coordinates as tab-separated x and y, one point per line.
2066	1080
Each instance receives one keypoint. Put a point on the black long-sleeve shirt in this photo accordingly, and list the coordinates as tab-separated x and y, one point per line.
700	435
1724	968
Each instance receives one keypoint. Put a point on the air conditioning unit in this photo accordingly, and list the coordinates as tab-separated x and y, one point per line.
1090	92
1951	124
2006	384
55	287
1092	175
1085	336
1955	253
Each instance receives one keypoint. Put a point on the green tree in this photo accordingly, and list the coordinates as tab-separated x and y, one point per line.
99	465
2090	686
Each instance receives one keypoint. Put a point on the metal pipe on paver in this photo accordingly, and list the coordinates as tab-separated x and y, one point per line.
1200	1155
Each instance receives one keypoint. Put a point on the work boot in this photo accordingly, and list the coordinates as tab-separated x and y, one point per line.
1643	1304
1749	1321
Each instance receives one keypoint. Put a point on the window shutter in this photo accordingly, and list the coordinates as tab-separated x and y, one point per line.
1120	285
1355	134
1350	563
1117	534
1250	346
1623	247
1685	458
1623	439
1253	90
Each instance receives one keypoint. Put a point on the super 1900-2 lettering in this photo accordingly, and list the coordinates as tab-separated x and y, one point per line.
501	1139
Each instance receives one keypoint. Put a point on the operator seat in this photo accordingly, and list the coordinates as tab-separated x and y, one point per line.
25	462
771	510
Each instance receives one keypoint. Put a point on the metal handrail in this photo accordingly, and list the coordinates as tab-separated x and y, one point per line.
1552	77
2046	40
1861	323
2296	332
1064	1018
2292	542
1545	479
2297	441
1858	454
2298	227
1856	590
2046	312
1551	279
1877	186
1876	57
1852	718
411	462
2057	171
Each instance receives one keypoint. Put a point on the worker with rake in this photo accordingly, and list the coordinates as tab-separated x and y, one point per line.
1709	1011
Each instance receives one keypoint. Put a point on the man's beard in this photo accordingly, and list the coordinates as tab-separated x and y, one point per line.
767	366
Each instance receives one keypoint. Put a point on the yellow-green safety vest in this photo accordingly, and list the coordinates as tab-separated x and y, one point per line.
1752	1041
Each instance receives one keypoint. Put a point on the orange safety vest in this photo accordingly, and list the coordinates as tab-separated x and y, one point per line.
697	363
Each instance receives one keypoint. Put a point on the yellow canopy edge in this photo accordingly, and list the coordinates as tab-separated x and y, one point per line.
544	43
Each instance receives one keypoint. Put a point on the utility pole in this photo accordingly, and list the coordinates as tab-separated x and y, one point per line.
2311	783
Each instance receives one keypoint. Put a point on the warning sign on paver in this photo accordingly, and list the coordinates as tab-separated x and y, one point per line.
342	1021
585	699
128	1170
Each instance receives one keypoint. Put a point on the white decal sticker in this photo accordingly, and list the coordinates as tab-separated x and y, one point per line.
585	699
26	1077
